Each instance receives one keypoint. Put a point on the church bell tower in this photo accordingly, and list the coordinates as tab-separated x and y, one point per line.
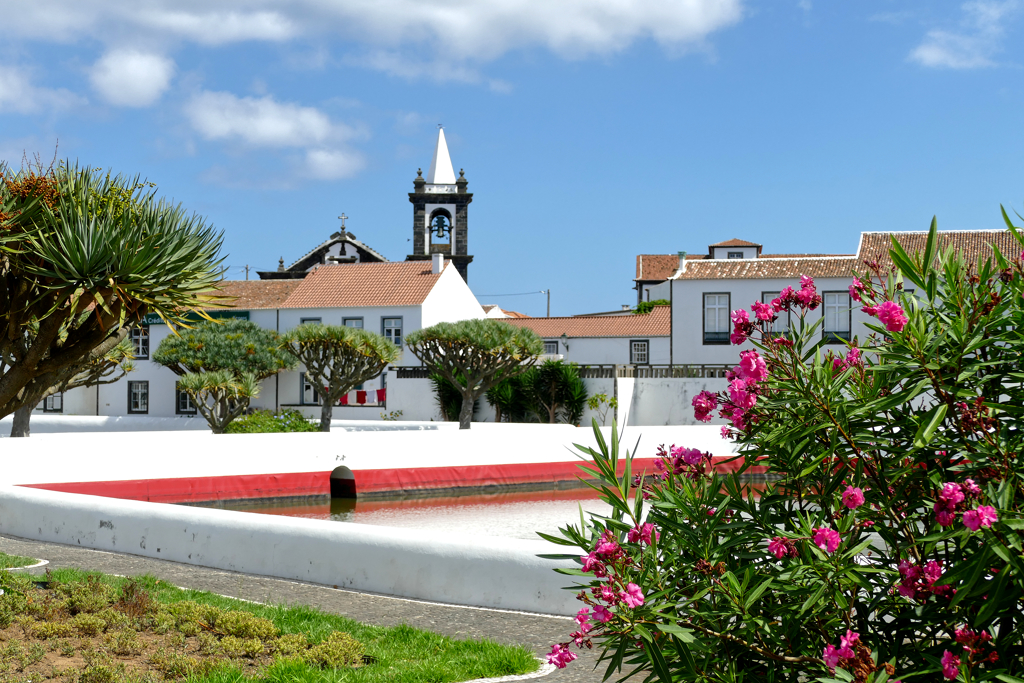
440	206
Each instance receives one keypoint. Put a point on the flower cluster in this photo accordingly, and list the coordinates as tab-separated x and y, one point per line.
782	547
918	583
853	497
807	297
826	538
852	359
954	497
743	387
889	313
561	655
950	665
689	462
834	656
704	404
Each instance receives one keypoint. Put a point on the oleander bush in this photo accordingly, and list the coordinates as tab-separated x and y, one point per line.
887	541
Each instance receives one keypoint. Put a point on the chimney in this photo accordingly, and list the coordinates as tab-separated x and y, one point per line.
682	261
627	307
437	261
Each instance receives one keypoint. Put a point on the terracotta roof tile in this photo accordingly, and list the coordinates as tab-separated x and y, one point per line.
397	283
653	324
729	269
735	243
253	294
971	243
658	267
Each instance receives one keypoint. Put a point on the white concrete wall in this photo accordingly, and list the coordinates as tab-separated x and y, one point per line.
450	300
688	314
610	350
668	401
426	565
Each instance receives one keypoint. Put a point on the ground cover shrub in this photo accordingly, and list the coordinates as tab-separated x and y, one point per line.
889	544
76	626
265	421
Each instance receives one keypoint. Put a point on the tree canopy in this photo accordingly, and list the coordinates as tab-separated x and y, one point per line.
231	344
338	359
474	355
84	256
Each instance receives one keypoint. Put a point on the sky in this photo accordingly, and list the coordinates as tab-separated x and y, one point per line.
590	131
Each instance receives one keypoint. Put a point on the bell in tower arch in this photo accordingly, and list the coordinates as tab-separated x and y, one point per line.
440	227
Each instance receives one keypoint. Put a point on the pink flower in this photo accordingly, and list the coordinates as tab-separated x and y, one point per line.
777	547
848	641
692	456
763	311
853	497
827	539
752	367
704	404
607	546
983	516
605	593
950	665
806	282
561	655
741	326
951	493
737	338
853	357
831	656
891	315
642	533
583	616
856	288
972	488
602	614
943	516
725	432
932	571
590	562
740	317
632	596
740	397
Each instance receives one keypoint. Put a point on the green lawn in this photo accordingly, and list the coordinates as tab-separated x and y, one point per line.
9	561
399	654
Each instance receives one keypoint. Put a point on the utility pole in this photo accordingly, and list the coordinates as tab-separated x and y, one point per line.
247	272
548	292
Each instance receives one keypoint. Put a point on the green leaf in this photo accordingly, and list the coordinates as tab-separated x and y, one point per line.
926	431
684	634
755	594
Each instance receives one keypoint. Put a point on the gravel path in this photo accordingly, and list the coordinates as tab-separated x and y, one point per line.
534	631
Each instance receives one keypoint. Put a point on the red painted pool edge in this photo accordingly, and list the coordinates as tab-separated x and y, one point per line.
280	485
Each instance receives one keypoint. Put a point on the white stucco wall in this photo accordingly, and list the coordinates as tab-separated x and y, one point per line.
450	300
688	313
610	350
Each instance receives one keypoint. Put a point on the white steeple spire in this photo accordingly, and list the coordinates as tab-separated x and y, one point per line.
441	171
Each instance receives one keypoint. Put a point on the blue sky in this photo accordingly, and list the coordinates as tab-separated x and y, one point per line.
590	130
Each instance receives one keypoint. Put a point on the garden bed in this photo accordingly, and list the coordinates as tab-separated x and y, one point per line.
82	627
15	561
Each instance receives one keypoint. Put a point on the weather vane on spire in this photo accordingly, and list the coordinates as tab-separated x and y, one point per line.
440	126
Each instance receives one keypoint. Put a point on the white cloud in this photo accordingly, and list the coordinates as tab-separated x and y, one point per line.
19	95
451	30
263	122
331	164
973	46
128	78
260	121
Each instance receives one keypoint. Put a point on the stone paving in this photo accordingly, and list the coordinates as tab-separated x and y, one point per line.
537	632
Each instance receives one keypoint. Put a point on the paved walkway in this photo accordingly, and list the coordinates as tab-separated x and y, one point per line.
534	631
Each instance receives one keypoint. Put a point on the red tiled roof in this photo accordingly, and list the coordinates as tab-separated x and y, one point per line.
653	324
873	245
515	314
657	267
397	283
735	243
253	294
972	244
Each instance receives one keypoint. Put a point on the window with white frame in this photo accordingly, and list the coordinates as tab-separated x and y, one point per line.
140	342
781	324
550	347
352	322
138	397
393	330
54	403
309	396
311	321
639	352
183	404
836	310
716	318
734	254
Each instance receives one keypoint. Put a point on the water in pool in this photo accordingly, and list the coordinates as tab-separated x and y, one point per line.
509	515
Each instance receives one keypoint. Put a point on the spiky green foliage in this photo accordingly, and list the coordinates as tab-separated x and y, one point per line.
229	344
264	422
85	256
220	396
338	359
551	392
474	355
